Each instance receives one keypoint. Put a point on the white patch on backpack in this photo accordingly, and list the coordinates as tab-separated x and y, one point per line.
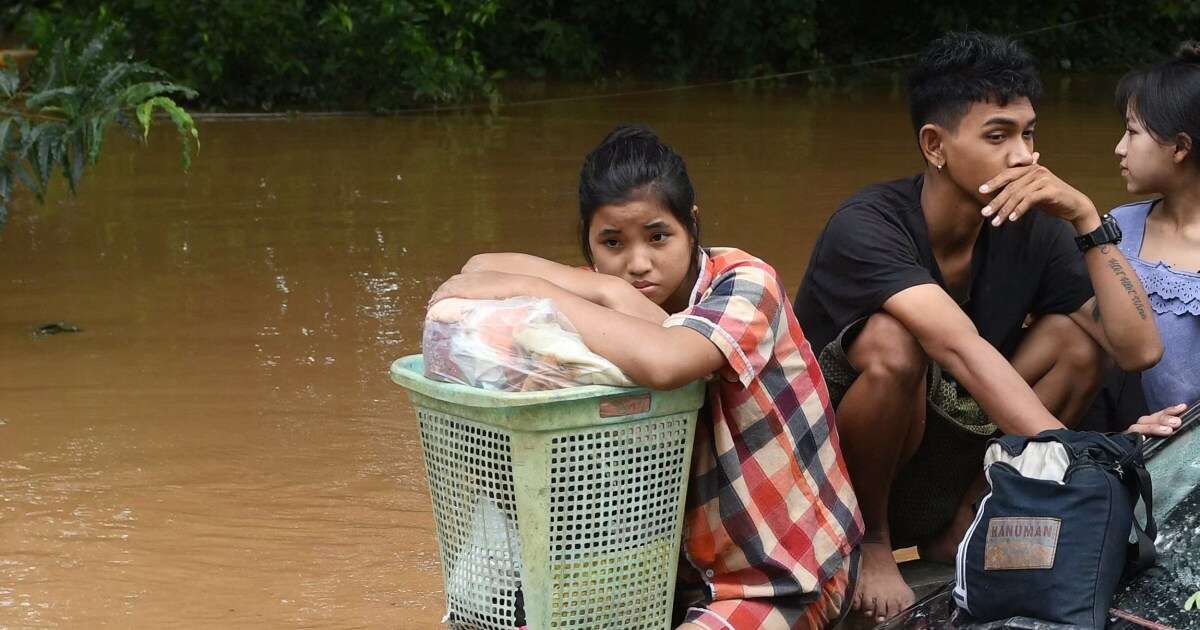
1021	543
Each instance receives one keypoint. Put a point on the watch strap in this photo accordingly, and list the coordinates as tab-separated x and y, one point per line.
1108	233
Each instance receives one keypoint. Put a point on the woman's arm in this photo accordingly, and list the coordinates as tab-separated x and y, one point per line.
597	288
1119	317
651	355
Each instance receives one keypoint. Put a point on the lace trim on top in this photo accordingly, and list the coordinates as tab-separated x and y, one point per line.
1170	291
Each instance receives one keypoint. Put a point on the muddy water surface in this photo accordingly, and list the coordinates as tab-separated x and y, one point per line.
221	447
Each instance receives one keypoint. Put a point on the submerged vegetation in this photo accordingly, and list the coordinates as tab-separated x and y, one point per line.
54	119
391	54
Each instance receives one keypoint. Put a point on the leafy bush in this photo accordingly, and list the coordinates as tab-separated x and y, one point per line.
376	54
1062	34
676	40
391	54
58	119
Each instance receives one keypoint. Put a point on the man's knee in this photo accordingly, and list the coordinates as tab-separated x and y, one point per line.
886	349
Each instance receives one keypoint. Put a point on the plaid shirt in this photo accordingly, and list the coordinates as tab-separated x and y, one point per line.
771	512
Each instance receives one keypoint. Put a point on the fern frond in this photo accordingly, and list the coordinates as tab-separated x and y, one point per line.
10	80
139	92
184	124
45	98
61	125
124	71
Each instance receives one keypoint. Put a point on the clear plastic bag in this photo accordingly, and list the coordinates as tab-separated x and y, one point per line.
518	344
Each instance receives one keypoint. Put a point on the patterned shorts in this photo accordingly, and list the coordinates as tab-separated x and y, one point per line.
810	611
927	491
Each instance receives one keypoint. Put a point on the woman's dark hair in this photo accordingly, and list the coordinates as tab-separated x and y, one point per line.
1165	98
632	164
959	69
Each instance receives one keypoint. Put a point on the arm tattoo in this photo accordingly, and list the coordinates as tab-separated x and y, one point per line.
1119	271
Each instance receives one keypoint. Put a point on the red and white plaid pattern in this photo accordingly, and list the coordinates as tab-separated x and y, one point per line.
771	513
796	613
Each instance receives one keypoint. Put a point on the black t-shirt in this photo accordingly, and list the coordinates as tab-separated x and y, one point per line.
877	244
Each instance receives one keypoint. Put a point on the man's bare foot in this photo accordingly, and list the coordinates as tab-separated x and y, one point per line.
881	591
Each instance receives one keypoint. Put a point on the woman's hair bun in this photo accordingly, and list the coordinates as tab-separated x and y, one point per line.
1189	51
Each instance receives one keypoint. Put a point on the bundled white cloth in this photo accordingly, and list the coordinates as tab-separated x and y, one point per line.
518	344
485	576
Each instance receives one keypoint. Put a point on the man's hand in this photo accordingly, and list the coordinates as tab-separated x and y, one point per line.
1023	187
1159	424
487	285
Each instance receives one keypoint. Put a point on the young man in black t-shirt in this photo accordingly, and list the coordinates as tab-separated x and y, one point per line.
952	305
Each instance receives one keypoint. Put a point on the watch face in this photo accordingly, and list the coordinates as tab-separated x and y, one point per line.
1113	225
1110	230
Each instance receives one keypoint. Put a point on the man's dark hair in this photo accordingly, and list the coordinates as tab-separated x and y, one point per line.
959	69
1163	97
632	164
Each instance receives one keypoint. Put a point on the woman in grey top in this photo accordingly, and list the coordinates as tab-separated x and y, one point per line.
1159	156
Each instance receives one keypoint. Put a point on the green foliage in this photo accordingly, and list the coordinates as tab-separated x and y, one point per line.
266	54
388	54
392	54
578	39
716	39
57	121
1062	34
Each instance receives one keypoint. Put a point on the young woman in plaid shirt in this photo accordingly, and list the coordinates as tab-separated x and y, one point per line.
772	525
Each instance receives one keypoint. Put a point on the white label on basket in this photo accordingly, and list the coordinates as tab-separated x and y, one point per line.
625	405
1021	543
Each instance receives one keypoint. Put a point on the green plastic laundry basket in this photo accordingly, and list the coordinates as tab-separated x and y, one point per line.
560	507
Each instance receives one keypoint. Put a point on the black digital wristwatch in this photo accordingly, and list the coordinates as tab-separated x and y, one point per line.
1108	232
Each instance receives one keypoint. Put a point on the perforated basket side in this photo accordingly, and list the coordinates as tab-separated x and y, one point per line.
469	468
616	497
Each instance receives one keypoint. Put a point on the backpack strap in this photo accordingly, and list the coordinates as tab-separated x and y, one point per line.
1141	554
1131	469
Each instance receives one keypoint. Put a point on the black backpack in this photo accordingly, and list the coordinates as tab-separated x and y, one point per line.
1057	531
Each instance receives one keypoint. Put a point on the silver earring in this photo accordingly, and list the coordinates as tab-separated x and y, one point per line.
939	167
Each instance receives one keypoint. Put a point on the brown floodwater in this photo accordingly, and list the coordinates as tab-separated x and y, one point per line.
221	445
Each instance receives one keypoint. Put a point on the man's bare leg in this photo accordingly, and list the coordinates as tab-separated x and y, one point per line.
881	420
1064	366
